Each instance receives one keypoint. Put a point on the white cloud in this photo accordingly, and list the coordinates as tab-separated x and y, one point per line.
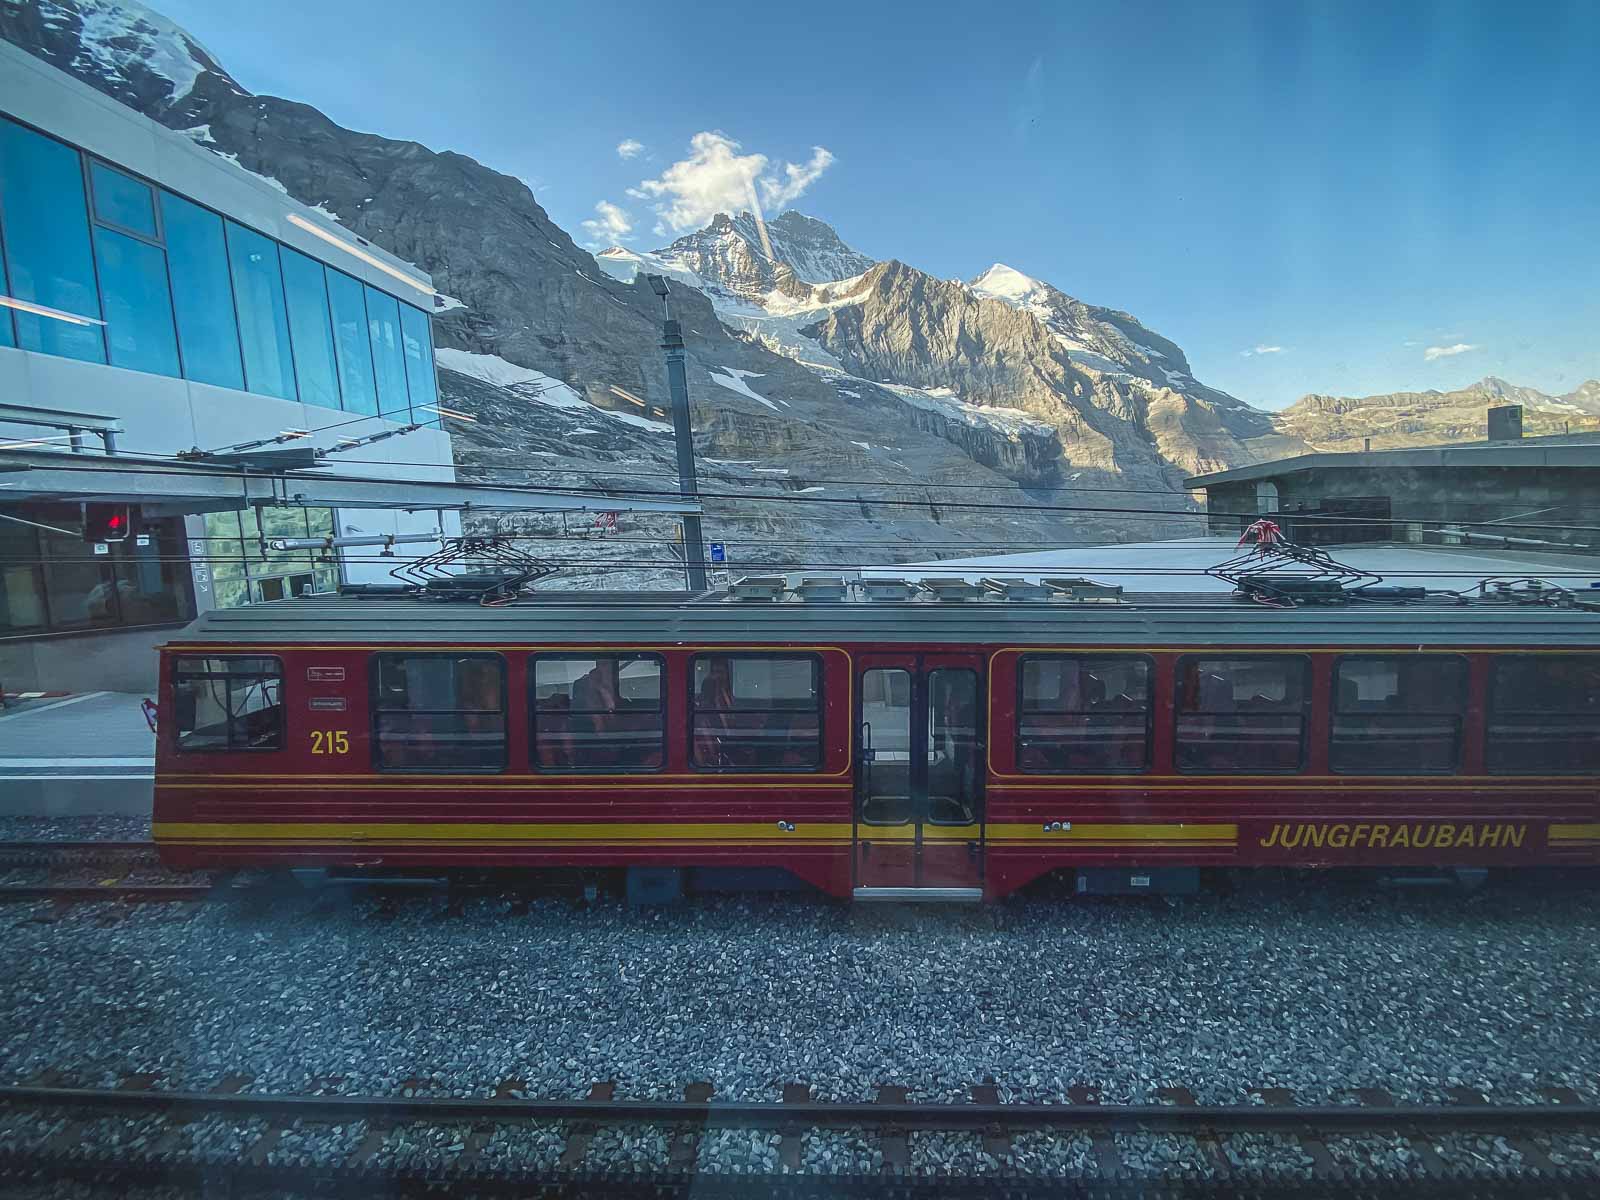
628	148
611	226
1437	352
1261	350
716	177
796	179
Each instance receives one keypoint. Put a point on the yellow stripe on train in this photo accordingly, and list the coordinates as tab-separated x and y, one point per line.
714	832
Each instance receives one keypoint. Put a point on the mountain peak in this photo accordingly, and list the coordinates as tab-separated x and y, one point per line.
1005	283
731	254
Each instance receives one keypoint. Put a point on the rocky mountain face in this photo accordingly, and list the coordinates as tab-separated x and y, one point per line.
1077	392
1399	419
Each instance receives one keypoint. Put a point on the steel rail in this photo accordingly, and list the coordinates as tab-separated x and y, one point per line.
1502	1118
47	846
108	891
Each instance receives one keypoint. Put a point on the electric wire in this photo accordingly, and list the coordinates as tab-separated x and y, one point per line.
794	498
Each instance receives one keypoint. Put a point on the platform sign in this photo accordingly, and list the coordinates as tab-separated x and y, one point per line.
719	552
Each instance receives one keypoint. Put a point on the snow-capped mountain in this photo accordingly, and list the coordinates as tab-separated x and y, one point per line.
1006	352
132	52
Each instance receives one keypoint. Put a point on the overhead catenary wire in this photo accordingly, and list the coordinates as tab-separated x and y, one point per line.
796	498
954	566
671	493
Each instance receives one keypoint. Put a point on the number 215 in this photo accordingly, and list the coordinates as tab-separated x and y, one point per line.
330	741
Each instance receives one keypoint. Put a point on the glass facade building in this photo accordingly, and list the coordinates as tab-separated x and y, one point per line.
243	573
164	285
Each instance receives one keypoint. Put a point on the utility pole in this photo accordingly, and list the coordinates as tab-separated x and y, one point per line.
694	553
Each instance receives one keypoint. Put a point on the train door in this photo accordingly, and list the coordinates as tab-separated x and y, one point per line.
919	777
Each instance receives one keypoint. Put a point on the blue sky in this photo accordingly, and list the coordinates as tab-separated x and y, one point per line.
1345	186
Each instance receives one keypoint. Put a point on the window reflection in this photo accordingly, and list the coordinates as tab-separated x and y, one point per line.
47	242
310	329
352	342
202	295
263	321
133	281
383	324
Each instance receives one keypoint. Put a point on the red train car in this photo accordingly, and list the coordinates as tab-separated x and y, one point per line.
881	750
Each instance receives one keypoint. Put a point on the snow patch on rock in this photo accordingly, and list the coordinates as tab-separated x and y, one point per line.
734	381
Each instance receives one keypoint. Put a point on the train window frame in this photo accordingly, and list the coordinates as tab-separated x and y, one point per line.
588	656
374	673
178	677
819	674
1149	712
1490	708
1307	709
1461	716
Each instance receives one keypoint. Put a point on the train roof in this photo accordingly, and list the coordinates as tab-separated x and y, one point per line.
1138	621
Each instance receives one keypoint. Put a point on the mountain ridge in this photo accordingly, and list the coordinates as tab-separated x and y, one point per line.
1394	420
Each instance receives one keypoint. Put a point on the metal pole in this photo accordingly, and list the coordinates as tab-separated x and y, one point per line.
694	554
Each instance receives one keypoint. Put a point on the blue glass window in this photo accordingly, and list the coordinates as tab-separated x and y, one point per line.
419	363
351	342
309	327
133	284
202	295
122	200
263	321
47	242
383	320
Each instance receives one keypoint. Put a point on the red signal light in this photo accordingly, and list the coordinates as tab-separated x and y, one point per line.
106	522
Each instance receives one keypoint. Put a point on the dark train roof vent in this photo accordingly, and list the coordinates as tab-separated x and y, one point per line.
1022	590
821	589
952	590
759	587
472	585
885	589
1084	589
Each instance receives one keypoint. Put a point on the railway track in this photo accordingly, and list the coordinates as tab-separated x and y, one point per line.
119	870
31	853
73	1138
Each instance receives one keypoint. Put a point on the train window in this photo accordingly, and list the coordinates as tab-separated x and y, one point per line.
598	713
1398	715
229	703
756	713
1242	715
439	712
953	747
1084	714
1544	715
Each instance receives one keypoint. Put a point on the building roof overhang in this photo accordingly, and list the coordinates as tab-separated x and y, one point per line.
169	486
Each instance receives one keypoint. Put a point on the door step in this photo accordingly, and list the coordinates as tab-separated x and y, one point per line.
957	895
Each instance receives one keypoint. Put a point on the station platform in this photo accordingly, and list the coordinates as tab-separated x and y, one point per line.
86	754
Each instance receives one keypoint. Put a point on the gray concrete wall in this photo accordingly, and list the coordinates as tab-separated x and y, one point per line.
118	660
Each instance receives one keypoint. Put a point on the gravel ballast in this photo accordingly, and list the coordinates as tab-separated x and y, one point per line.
1290	981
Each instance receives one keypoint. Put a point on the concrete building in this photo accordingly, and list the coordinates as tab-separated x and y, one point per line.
1536	494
